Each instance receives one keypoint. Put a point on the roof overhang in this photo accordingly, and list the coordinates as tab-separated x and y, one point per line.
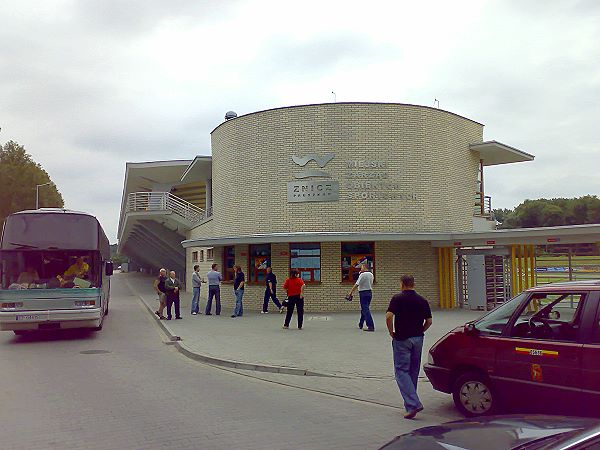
199	170
493	153
140	177
538	236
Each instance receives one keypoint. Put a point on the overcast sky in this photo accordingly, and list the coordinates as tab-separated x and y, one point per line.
87	85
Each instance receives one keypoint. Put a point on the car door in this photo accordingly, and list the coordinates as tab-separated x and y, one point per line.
538	358
590	362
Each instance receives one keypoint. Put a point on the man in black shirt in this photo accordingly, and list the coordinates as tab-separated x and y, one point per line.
407	318
159	288
271	285
238	291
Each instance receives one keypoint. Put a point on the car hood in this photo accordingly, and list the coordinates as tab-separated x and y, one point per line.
492	432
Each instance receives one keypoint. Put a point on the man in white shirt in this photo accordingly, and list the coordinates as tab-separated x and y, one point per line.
364	284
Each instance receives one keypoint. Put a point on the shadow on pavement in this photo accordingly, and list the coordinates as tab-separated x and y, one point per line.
56	335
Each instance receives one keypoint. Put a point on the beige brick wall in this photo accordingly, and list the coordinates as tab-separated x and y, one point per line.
426	151
392	260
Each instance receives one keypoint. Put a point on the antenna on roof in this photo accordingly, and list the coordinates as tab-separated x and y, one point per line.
334	97
435	100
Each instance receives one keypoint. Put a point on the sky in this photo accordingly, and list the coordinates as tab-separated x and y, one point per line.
86	86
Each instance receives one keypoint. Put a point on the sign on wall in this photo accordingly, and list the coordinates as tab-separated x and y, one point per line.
313	190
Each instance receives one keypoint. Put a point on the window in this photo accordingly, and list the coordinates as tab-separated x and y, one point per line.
353	255
260	259
228	262
551	316
306	259
201	255
210	254
494	322
194	256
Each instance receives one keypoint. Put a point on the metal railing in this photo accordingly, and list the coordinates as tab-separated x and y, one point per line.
165	201
483	205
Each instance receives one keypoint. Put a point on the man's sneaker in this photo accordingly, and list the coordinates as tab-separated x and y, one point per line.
285	327
233	316
413	413
369	329
281	310
194	314
264	312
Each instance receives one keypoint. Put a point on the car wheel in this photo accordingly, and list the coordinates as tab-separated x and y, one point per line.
473	395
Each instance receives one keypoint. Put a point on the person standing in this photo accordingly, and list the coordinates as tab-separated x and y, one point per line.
172	287
159	287
214	279
238	291
408	317
364	284
196	283
295	291
270	292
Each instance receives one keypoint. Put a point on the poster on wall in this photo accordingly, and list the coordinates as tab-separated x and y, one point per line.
261	262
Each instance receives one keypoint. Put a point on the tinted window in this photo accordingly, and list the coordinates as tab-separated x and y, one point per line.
495	321
550	316
44	231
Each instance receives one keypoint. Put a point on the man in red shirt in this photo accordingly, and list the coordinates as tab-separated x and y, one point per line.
295	291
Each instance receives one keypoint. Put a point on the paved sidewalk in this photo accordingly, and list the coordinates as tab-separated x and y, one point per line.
346	362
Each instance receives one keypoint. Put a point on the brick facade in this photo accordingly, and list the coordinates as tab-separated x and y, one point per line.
420	156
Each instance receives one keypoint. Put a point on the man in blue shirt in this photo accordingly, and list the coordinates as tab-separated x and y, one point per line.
270	292
214	279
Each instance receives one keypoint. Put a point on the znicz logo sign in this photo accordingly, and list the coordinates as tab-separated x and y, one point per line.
313	190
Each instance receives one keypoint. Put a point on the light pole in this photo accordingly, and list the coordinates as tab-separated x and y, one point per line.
37	193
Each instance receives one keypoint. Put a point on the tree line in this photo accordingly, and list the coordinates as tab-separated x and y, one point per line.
550	212
19	175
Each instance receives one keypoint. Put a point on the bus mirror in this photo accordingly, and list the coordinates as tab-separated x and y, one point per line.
109	268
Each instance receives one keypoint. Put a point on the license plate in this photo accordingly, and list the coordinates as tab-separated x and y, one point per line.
30	317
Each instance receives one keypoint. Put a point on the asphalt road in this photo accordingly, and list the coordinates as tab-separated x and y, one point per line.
124	388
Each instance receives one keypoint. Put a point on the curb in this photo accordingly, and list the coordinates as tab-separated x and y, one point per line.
231	364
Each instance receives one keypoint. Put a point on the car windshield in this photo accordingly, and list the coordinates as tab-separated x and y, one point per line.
495	321
35	269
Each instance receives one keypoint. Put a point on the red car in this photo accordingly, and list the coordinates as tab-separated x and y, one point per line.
538	352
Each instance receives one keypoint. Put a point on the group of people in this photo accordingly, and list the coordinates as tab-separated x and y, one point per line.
407	318
168	290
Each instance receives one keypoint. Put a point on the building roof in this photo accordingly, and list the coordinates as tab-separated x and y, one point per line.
545	235
493	153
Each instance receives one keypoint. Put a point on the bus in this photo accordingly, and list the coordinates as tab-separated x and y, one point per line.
54	271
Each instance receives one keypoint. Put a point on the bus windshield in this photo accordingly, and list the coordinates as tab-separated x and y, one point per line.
51	269
50	231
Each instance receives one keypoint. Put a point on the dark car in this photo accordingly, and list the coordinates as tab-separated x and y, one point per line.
538	352
504	432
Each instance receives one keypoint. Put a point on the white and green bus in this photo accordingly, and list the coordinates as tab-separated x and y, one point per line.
54	271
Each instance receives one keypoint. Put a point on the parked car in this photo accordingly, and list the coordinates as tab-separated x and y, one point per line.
539	351
503	433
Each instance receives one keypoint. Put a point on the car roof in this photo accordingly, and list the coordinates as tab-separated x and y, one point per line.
590	285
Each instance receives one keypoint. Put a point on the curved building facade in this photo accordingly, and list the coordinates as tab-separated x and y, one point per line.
323	188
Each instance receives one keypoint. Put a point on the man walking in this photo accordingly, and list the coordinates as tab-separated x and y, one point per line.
159	287
214	279
196	283
172	286
364	284
270	292
407	318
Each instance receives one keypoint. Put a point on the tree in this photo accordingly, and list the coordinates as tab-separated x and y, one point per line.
551	212
19	175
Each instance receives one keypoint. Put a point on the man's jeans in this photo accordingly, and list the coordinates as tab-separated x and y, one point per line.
407	363
269	296
213	291
196	300
365	313
239	308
